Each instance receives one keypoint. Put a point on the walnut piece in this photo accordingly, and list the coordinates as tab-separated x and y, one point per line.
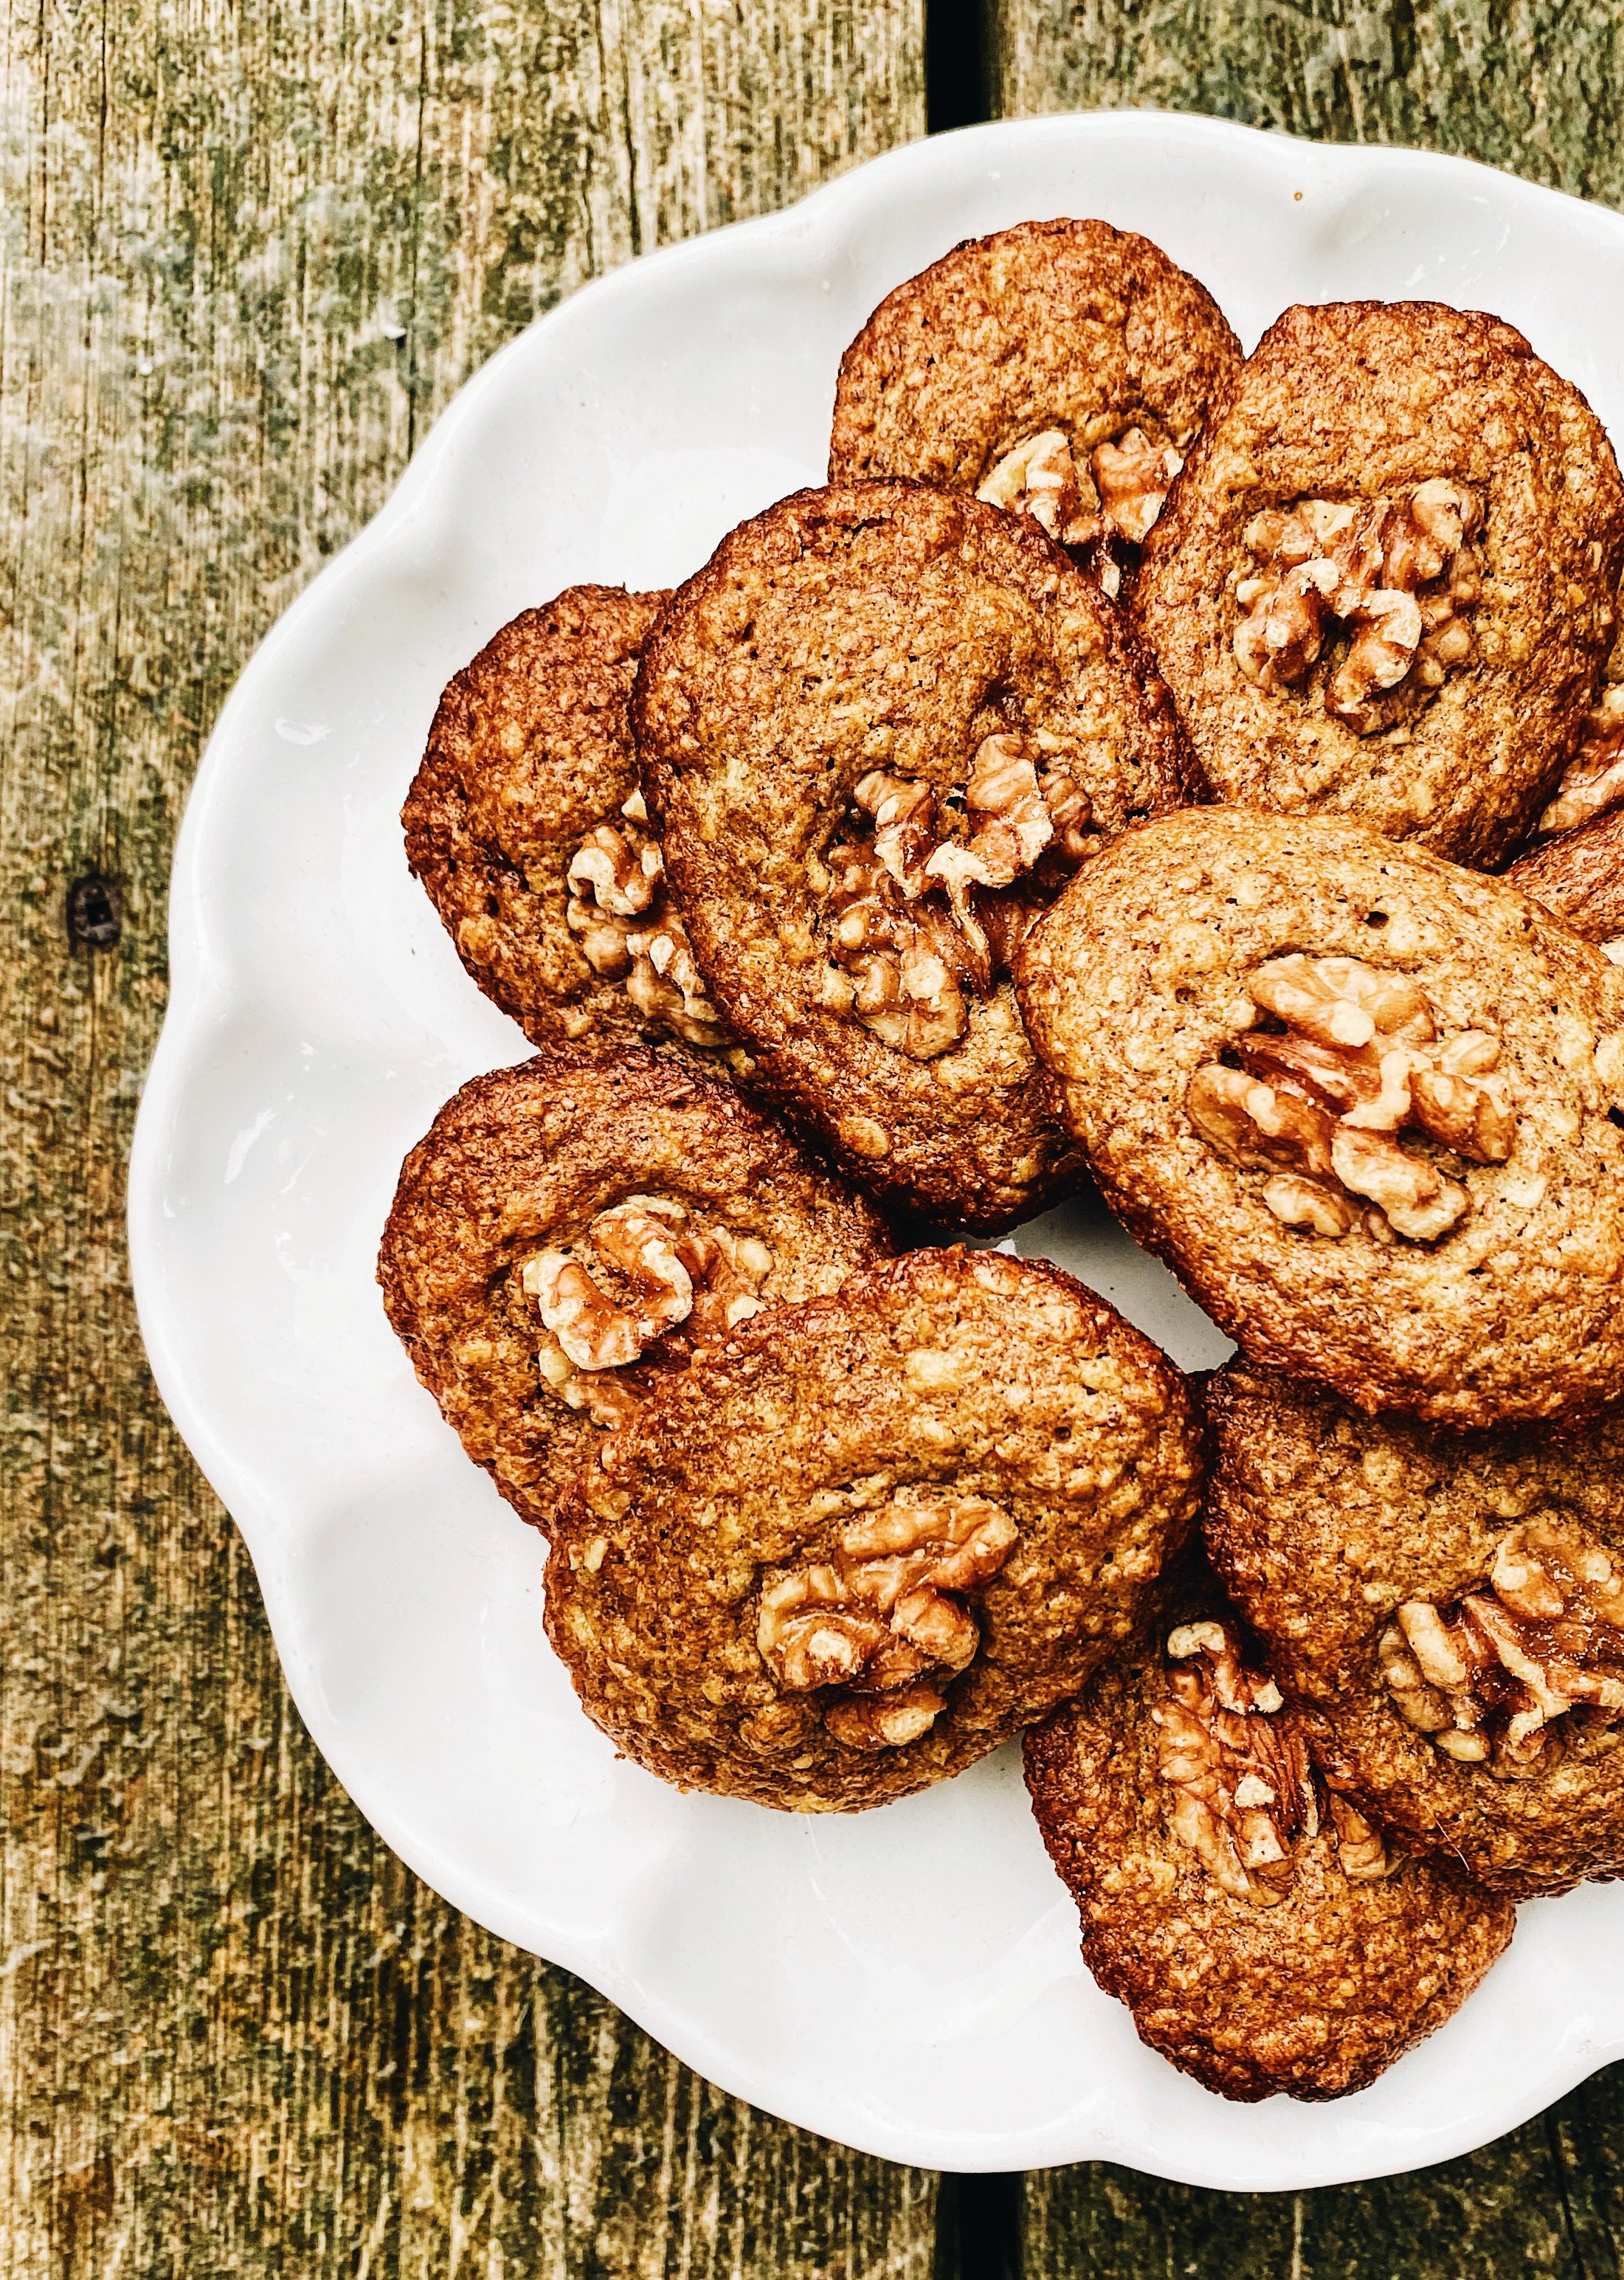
1242	1788
631	931
1132	476
1041	477
1119	494
1382	591
884	1622
1361	1848
1593	781
1542	1639
919	923
643	1269
1318	1102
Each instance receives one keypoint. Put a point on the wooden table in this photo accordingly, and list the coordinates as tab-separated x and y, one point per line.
249	253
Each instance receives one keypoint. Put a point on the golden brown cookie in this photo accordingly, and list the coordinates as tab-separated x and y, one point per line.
1261	1930
870	1536
1592	782
1580	878
1369	1106
878	730
1061	369
525	825
571	1230
1383	585
1447	1609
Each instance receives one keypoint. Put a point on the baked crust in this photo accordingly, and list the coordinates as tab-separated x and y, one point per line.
522	1162
530	750
1140	976
1324	1522
1063	325
1360	400
1580	877
942	1376
1315	1995
881	626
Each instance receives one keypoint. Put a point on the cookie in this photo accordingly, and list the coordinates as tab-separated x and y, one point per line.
525	825
871	1537
1579	878
571	1230
1060	369
1448	1611
1592	782
1261	1930
1369	1106
877	731
1383	585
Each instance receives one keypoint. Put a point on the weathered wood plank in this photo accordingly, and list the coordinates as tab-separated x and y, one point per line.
1536	86
248	252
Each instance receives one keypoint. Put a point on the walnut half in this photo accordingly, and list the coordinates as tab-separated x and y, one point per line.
1243	1789
643	1269
1119	492
920	923
1593	781
882	1624
630	930
1319	1101
1541	1640
1388	585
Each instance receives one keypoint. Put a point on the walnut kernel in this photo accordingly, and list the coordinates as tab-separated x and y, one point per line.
1242	1788
643	1270
883	1619
630	930
1388	585
1541	1640
1319	1103
920	923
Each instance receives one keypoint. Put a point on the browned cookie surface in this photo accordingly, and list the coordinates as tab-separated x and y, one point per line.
1260	1930
878	730
1580	878
1060	368
1447	1608
525	825
570	1230
869	1537
1368	1106
1383	585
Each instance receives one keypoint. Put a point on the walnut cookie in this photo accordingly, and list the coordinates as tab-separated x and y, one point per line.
1261	1930
869	1537
1580	879
1576	866
1060	369
1368	1106
571	1230
1384	584
1447	1610
525	824
877	731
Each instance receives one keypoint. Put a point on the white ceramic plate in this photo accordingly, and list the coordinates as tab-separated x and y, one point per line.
906	1980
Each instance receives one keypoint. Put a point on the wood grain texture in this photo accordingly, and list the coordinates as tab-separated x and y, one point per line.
247	252
1536	86
1542	2201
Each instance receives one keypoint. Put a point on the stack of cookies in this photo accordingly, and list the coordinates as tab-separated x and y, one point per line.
1199	775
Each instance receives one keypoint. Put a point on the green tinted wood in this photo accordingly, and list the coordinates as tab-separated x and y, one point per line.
1537	87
